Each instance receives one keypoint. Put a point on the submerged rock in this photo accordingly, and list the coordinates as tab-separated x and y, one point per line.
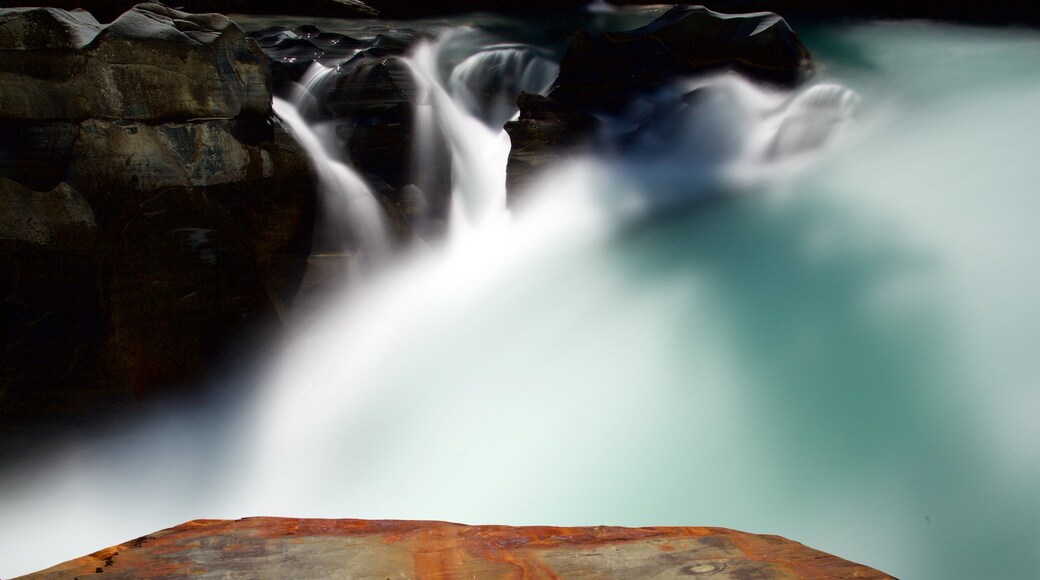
313	548
152	210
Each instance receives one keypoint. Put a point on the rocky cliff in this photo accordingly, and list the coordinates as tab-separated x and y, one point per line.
150	208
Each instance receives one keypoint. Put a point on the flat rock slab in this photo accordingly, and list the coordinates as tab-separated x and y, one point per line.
317	548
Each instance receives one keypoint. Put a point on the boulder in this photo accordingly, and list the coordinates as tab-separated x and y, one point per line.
314	548
602	72
151	210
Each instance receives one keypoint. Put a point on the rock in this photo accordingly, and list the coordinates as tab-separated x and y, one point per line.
106	10
408	10
602	74
43	217
302	548
152	63
544	133
367	95
152	210
603	71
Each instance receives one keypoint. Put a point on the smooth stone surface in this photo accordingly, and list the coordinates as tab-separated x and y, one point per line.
315	548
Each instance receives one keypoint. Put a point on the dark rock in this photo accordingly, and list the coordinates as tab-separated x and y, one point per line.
545	8
368	96
545	133
107	10
603	71
602	74
963	11
150	210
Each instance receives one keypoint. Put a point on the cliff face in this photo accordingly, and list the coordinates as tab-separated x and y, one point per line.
149	206
317	548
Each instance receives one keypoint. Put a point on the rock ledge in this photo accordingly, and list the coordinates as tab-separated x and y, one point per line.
313	548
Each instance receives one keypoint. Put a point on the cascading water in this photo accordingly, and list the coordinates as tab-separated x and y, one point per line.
842	351
350	209
469	111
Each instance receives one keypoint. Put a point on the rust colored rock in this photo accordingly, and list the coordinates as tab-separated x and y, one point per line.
313	548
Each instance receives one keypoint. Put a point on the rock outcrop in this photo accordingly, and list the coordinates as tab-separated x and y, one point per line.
107	10
602	73
151	207
543	134
300	548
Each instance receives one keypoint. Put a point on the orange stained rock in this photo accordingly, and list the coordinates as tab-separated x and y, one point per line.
380	549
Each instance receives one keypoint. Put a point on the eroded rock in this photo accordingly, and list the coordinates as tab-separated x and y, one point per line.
152	63
152	209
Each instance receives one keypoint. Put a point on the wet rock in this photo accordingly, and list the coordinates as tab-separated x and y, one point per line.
365	94
150	208
602	75
603	72
545	133
304	548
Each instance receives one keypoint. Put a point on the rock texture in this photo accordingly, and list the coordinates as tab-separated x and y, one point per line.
295	548
106	10
601	74
150	208
544	133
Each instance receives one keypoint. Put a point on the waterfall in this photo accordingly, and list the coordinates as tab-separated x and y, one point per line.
350	209
469	110
487	83
845	356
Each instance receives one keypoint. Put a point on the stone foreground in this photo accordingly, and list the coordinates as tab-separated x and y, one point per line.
319	548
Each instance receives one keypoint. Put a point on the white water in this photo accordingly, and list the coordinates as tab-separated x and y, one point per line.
842	351
349	208
471	124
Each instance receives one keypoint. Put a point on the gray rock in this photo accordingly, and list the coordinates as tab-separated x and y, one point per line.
151	64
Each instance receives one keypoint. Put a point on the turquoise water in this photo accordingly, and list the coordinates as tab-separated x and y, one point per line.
845	353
